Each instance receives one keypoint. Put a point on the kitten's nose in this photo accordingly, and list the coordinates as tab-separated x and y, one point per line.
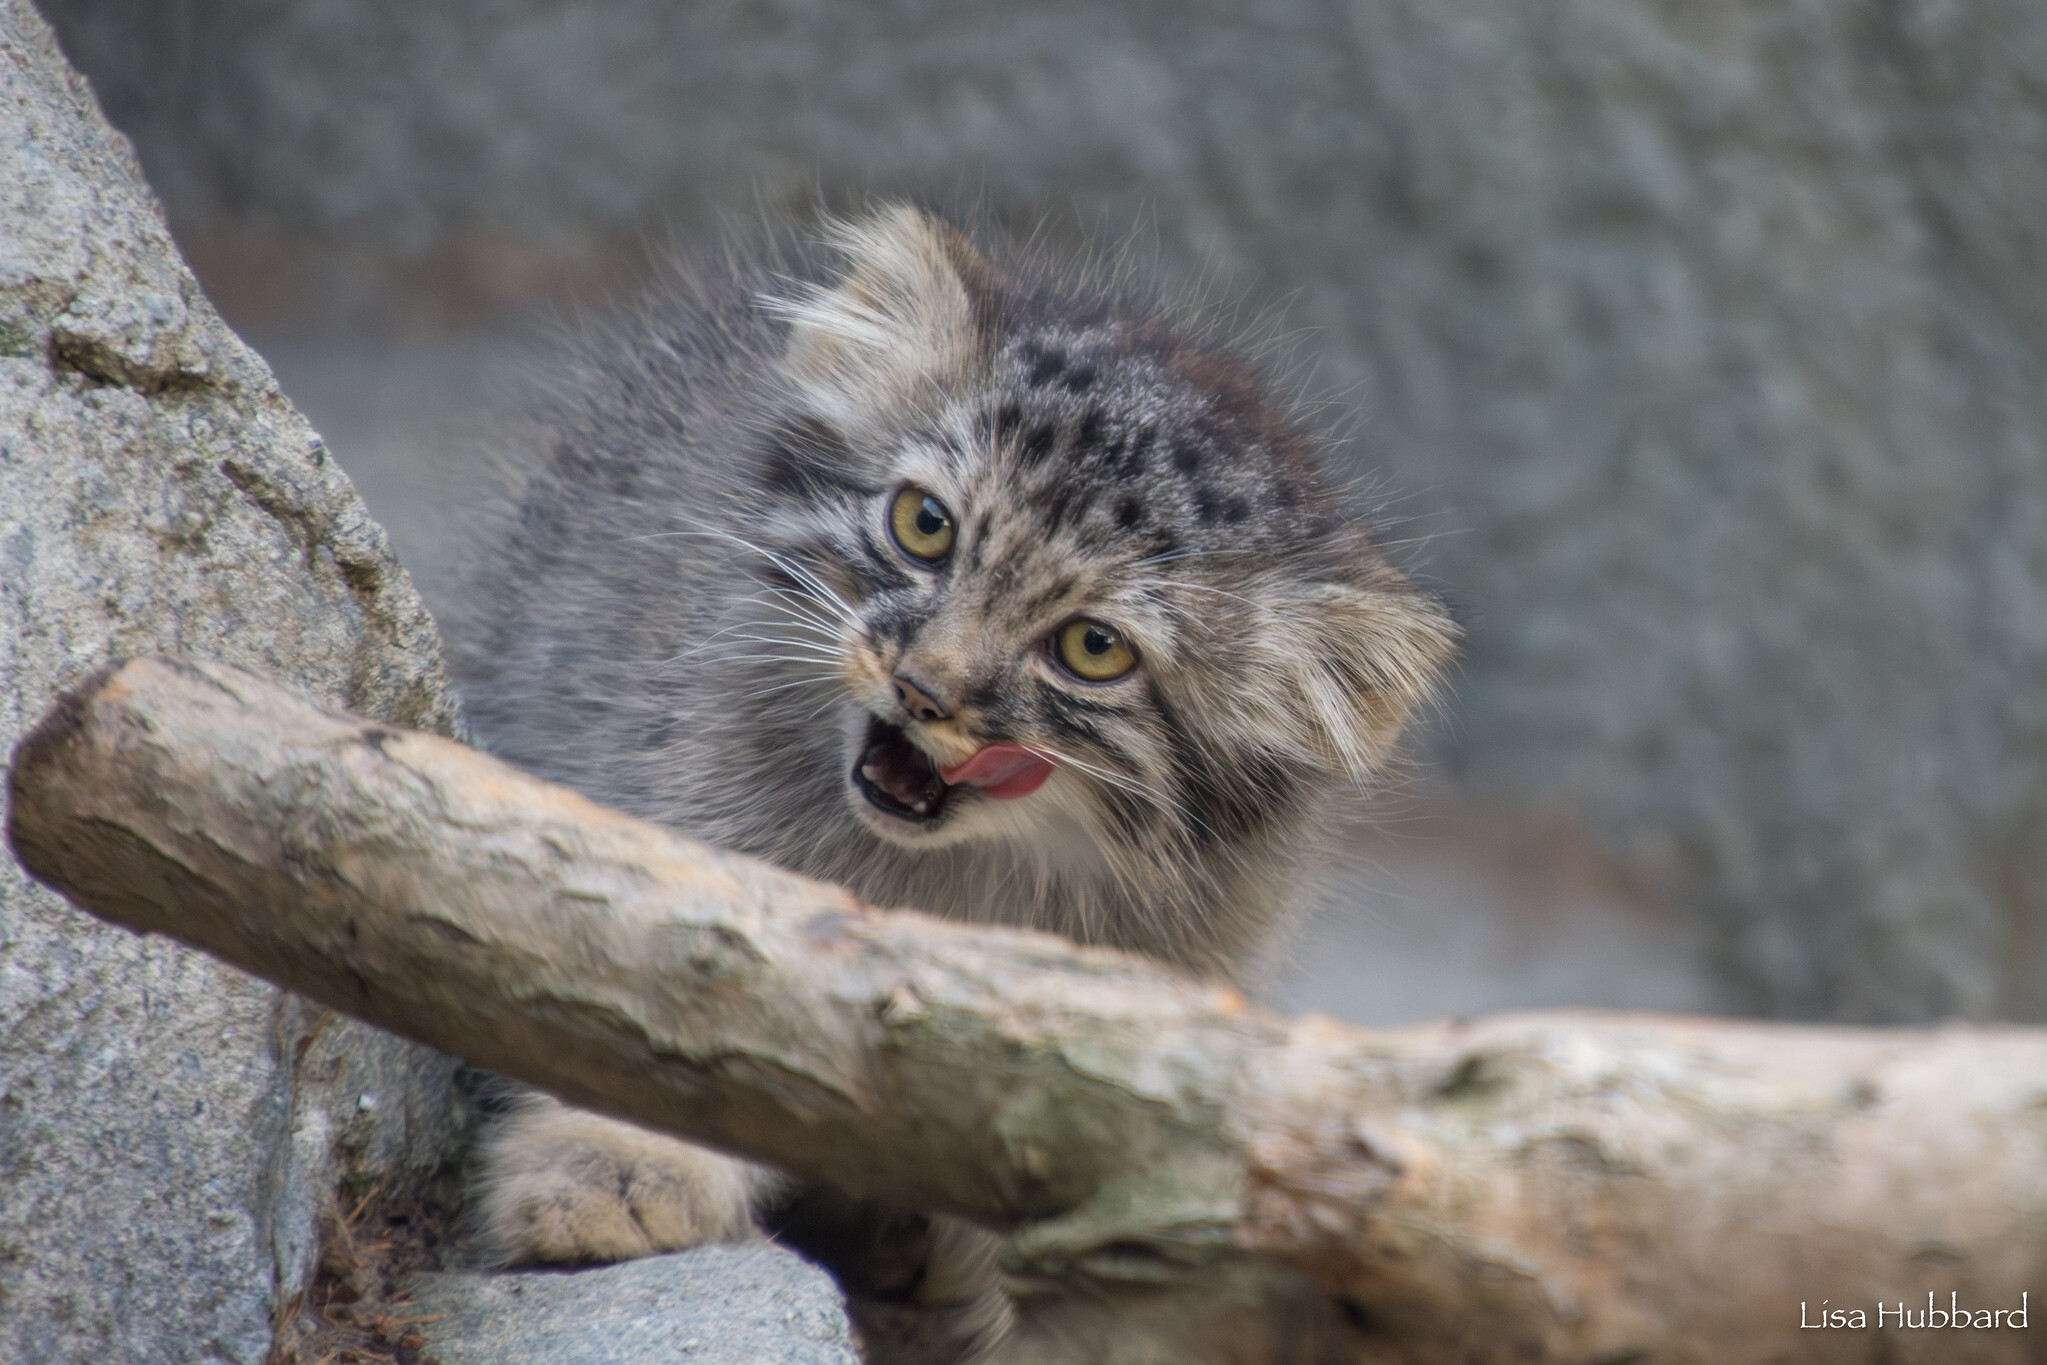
918	700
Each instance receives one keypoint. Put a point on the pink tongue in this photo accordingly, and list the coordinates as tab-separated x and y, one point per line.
1004	771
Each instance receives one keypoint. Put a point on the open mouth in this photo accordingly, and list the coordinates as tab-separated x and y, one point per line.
897	777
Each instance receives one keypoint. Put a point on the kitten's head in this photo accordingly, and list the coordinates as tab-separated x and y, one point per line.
1079	584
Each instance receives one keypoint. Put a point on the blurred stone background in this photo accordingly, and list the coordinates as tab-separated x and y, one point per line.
1696	345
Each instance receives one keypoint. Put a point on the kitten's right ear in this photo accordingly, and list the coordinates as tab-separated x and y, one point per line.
897	333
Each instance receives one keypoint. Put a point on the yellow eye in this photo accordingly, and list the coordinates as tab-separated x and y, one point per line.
921	525
1095	651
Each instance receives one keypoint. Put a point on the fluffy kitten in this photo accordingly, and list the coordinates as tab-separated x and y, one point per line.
948	582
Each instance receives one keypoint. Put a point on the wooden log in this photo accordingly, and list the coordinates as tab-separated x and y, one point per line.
1180	1177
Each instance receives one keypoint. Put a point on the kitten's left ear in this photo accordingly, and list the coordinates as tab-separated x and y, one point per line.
900	329
1378	648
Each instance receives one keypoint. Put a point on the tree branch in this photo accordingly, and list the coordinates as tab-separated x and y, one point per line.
1181	1177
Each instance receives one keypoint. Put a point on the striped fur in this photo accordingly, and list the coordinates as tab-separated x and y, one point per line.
697	612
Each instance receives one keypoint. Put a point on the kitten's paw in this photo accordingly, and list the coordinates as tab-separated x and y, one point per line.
562	1187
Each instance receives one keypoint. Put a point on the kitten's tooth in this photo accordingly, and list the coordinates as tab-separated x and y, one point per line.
870	772
922	808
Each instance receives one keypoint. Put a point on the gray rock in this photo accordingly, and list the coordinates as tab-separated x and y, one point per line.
1707	337
720	1305
170	1131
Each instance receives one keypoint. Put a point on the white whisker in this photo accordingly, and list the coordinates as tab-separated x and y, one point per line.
1113	778
783	659
785	686
820	592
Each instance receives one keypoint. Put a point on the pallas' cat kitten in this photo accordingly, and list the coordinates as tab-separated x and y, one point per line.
957	584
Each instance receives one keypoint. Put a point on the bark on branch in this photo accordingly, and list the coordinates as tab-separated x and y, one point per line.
1181	1177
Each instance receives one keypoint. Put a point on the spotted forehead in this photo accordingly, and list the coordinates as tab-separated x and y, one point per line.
1131	450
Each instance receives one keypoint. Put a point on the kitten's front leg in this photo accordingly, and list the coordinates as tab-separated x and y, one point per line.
559	1186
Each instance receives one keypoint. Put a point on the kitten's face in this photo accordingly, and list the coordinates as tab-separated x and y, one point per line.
1081	584
997	674
1007	672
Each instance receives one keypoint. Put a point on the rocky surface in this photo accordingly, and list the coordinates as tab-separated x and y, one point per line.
1698	344
719	1305
170	1132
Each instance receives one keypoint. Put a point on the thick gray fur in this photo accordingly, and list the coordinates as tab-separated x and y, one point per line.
699	603
700	614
